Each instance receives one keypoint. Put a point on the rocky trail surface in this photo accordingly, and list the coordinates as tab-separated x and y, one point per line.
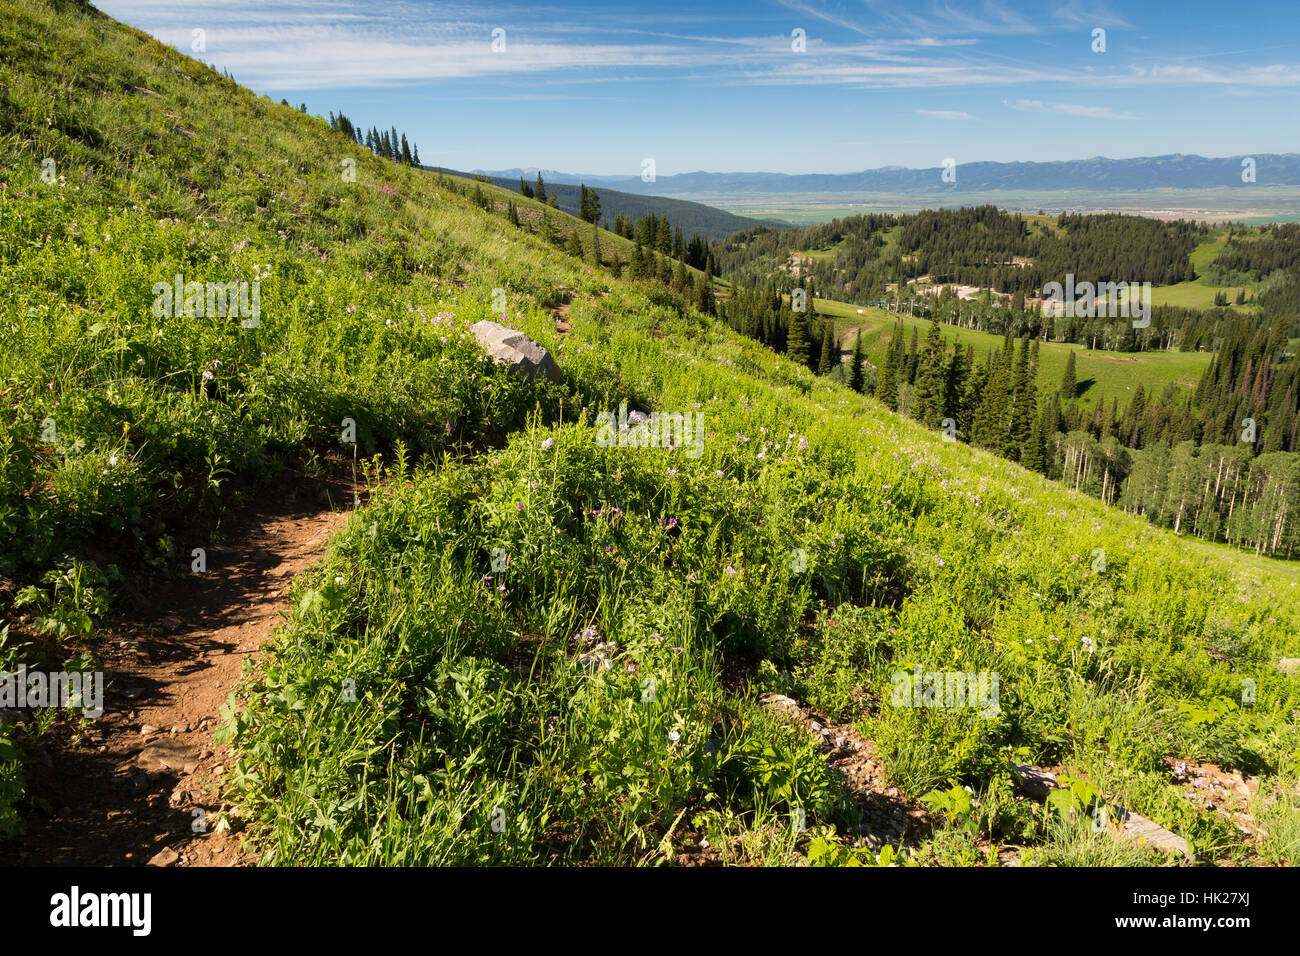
144	783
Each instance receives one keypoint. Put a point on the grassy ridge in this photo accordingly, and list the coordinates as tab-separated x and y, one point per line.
529	647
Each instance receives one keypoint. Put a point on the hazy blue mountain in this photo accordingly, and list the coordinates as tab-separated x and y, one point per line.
1175	171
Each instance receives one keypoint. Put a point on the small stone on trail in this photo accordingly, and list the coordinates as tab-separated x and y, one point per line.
164	857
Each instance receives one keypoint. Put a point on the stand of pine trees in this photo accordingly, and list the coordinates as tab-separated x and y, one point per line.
1222	464
872	259
388	143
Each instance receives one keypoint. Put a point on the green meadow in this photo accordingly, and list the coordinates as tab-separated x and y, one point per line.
1109	375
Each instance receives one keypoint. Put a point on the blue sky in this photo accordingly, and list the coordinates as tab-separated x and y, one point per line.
717	85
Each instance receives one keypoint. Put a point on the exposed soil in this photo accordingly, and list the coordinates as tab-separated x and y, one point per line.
561	313
127	792
887	816
1226	793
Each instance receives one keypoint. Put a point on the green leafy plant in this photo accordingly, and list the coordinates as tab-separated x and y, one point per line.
824	852
76	599
955	805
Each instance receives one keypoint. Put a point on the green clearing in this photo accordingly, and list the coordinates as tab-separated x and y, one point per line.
529	646
1111	374
1199	294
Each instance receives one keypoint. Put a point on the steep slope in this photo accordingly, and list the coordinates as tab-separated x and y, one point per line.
537	642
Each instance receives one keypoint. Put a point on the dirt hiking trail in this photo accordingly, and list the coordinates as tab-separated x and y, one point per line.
128	792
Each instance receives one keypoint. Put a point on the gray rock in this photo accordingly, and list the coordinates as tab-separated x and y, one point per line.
782	705
1032	782
166	754
516	350
165	857
1037	784
1149	833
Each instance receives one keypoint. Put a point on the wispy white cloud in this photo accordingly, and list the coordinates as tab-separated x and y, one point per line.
1272	75
1084	14
946	114
939	17
1069	109
887	44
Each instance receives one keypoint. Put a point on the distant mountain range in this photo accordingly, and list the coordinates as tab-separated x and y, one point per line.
693	217
1175	171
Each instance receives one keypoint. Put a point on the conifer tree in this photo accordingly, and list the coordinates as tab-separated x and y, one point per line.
954	388
663	236
796	340
1132	429
1069	381
887	377
1033	457
989	426
588	205
1021	414
827	360
681	279
704	299
856	380
929	378
909	369
1110	422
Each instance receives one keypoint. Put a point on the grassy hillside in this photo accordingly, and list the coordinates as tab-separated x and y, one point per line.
527	646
